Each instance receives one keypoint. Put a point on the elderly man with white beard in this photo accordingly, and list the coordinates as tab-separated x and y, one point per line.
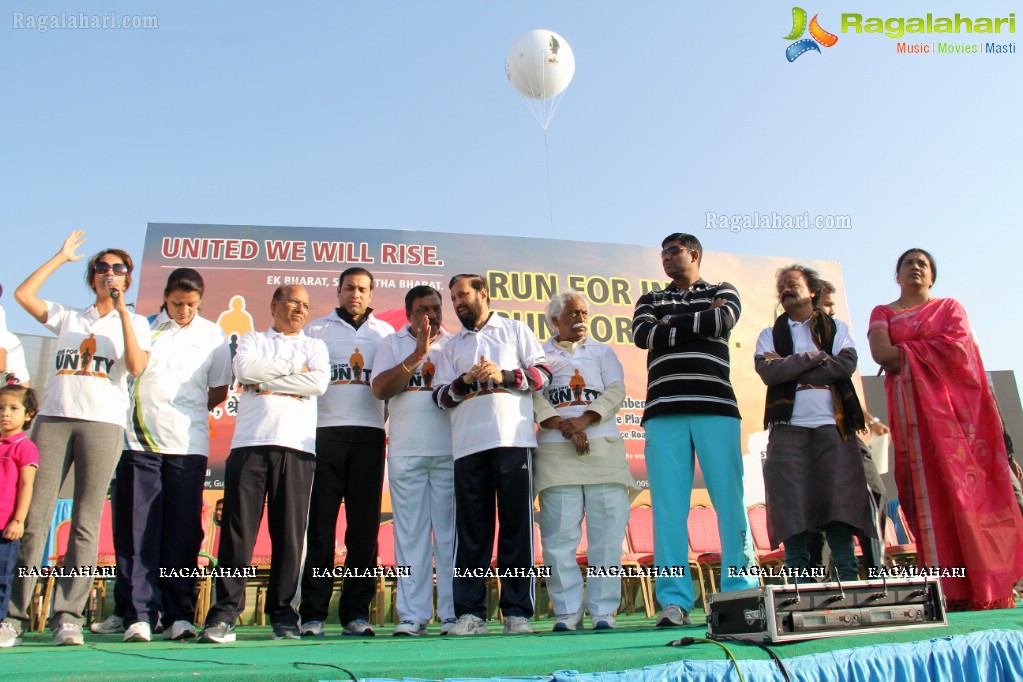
580	467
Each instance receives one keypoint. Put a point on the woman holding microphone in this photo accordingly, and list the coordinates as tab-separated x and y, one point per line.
81	422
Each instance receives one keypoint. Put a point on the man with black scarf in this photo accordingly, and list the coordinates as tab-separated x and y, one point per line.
813	476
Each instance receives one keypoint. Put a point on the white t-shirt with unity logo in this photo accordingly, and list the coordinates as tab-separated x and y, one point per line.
417	427
90	379
577	379
349	400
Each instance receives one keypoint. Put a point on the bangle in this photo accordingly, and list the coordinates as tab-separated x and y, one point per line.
873	421
419	358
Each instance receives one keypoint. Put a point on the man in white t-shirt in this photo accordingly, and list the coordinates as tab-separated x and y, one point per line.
273	458
419	464
12	355
13	366
813	475
492	367
349	460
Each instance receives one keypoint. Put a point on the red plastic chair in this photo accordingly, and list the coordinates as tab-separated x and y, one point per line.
704	540
386	587
584	544
639	538
262	557
762	541
106	558
42	603
206	561
898	554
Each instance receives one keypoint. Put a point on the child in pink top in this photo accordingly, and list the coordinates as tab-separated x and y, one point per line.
18	462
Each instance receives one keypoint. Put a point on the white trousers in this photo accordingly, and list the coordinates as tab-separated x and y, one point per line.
423	502
606	506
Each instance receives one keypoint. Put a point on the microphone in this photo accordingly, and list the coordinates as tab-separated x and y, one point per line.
114	293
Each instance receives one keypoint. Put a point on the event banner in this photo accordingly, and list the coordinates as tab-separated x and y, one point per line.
243	265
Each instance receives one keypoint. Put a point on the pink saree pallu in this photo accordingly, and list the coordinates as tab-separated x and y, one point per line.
951	466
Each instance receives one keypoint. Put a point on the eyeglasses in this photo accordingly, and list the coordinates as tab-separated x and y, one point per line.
294	303
103	267
672	250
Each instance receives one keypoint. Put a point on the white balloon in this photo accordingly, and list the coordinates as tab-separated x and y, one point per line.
540	64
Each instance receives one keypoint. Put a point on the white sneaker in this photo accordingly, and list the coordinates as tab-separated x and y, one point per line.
217	633
138	632
673	615
411	628
468	624
359	628
571	621
448	625
111	625
179	629
603	622
67	634
313	628
517	625
8	636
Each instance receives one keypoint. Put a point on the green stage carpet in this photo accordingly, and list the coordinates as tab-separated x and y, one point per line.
255	657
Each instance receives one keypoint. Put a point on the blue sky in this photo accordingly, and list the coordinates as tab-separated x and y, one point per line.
399	115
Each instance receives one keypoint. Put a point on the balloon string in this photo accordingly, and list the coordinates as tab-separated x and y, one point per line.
550	196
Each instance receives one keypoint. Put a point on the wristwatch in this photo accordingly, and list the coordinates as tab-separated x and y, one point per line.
873	421
666	320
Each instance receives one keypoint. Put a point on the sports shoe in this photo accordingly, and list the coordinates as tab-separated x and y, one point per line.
8	636
448	625
468	624
286	631
110	626
410	627
571	621
360	628
603	622
179	629
313	628
138	632
517	625
673	615
216	633
68	634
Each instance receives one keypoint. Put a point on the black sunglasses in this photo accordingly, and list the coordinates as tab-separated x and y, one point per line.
102	268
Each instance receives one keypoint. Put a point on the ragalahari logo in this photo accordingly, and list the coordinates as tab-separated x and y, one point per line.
817	35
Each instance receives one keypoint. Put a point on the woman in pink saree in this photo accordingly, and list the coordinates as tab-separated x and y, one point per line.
951	466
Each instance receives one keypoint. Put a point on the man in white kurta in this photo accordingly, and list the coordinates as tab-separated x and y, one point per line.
580	467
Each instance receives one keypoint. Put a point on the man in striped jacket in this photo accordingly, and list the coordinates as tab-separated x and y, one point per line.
691	411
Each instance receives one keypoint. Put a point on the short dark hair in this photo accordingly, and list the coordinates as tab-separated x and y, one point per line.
812	277
827	287
687	240
930	259
90	274
28	398
352	272
476	281
420	291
